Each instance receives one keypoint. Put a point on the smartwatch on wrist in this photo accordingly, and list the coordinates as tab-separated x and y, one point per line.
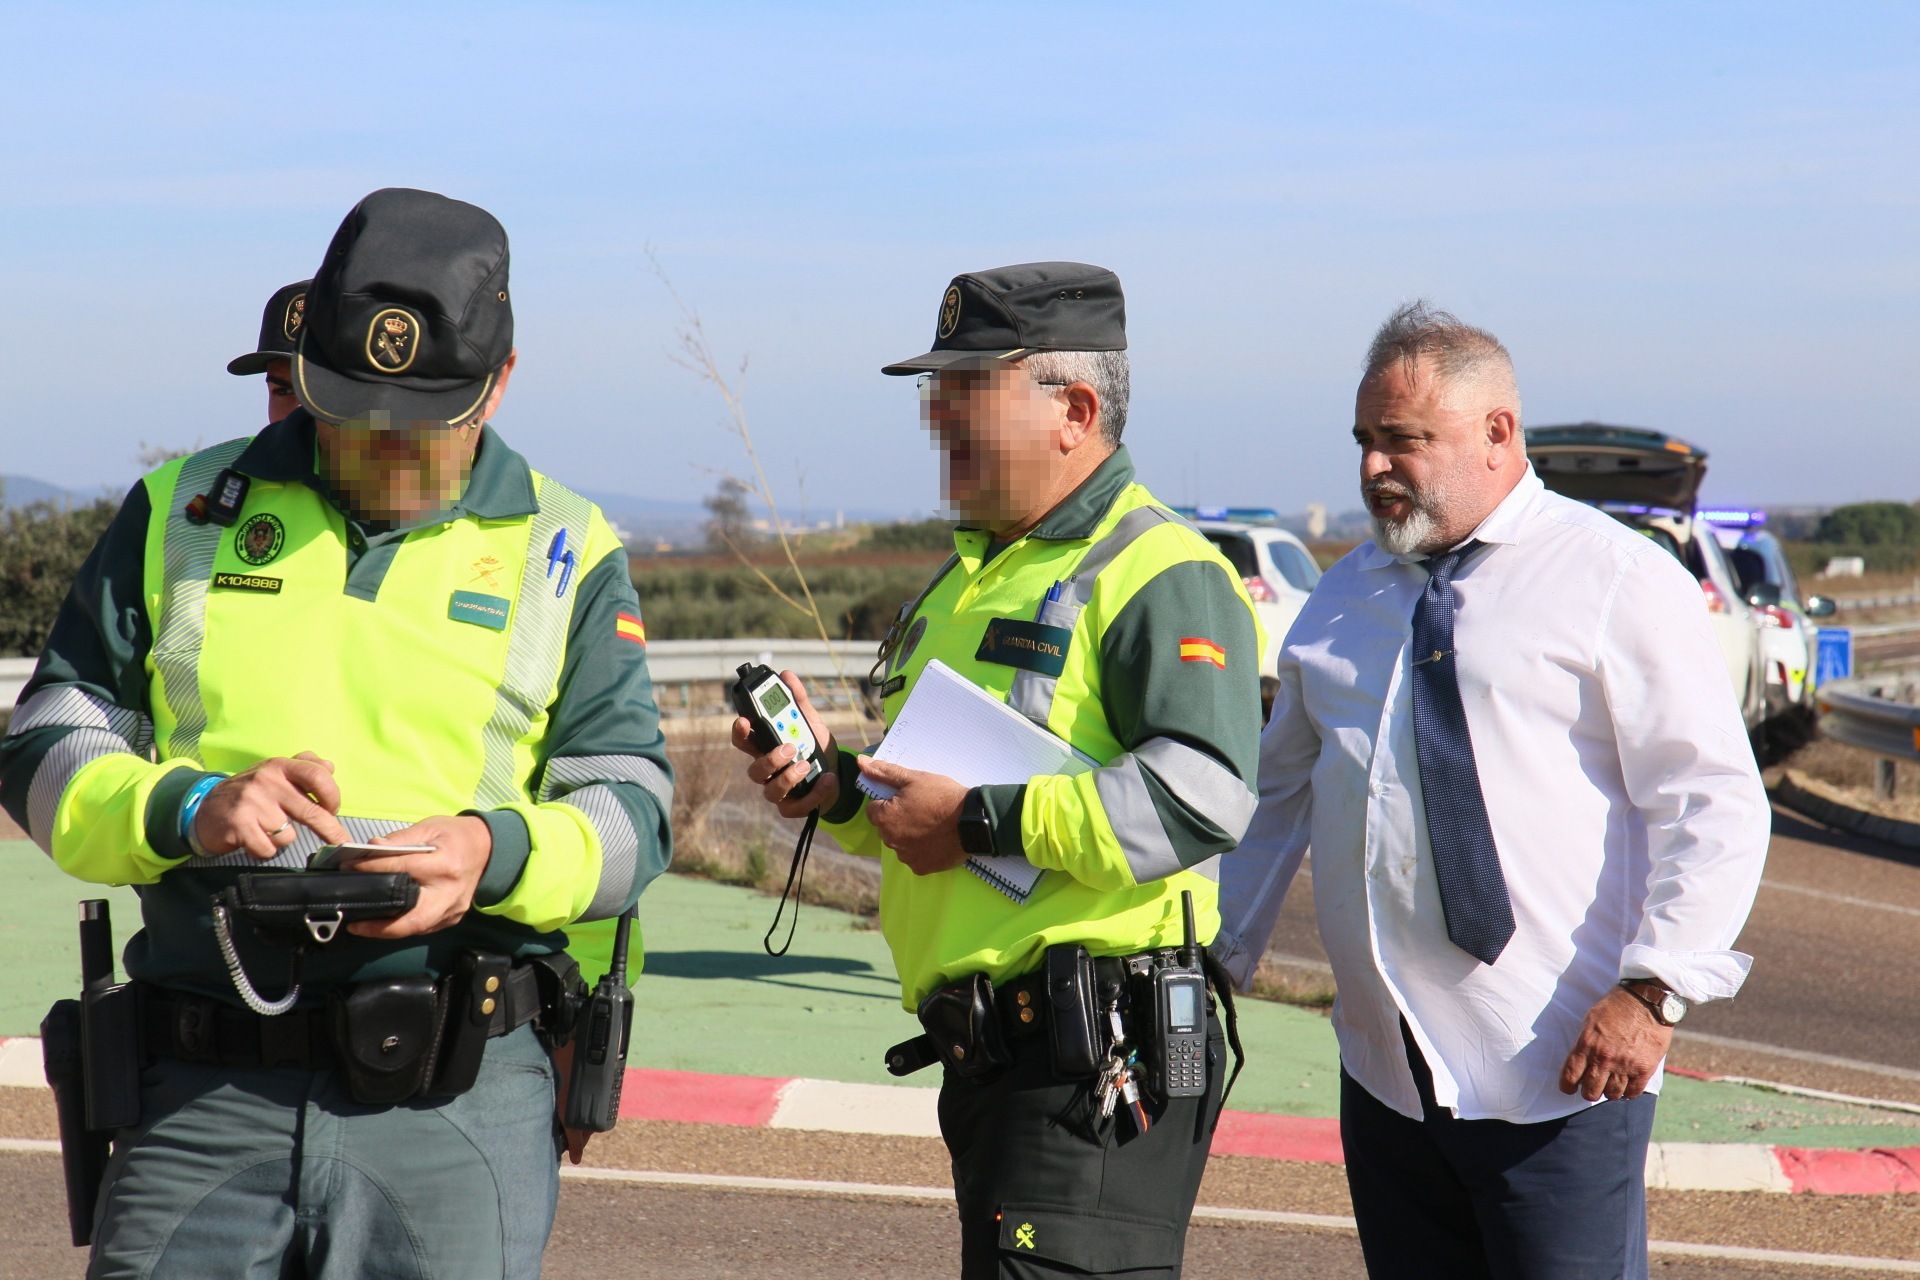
976	829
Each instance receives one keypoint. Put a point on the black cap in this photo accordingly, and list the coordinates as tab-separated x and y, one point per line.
408	314
280	326
1009	312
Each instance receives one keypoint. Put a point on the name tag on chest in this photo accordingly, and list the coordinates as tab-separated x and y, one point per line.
1030	646
480	610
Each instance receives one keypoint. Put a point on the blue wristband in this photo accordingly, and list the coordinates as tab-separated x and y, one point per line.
190	809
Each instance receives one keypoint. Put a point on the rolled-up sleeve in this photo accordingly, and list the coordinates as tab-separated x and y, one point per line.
1689	770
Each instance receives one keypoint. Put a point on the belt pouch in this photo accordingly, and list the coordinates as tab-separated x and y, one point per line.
476	991
295	907
965	1027
1074	1024
385	1034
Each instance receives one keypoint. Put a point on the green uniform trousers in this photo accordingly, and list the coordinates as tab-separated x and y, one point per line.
1047	1189
276	1174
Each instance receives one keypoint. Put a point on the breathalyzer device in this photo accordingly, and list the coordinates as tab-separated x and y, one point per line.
769	706
1178	1055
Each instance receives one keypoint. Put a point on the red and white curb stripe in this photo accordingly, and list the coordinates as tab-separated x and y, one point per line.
771	1102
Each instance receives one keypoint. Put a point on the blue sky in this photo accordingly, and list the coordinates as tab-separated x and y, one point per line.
1699	218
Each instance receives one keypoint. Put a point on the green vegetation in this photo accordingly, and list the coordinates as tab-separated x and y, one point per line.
41	549
1870	524
714	597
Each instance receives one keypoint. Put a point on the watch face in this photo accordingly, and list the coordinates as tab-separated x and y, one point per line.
1672	1008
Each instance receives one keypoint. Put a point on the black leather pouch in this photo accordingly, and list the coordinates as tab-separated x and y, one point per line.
965	1027
296	907
1079	1047
385	1034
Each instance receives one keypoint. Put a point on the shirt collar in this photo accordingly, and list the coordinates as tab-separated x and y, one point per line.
500	487
1505	523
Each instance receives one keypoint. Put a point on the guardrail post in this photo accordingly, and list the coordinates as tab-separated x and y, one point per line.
1883	778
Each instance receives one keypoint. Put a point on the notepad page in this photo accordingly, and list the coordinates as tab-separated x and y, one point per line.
953	727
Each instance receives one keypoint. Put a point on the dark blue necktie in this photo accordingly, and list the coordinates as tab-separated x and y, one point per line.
1473	892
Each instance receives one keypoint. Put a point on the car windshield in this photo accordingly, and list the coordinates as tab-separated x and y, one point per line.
1238	549
1295	565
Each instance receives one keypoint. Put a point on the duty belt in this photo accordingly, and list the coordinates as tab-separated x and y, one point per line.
190	1028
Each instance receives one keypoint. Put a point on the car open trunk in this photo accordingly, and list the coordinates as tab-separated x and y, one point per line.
1593	462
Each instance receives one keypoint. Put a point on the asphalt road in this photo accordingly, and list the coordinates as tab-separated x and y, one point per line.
1831	1002
628	1232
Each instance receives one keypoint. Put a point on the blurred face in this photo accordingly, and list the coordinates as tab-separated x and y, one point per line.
1000	436
280	401
399	473
1434	460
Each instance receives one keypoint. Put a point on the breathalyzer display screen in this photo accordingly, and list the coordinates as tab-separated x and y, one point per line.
773	698
1183	1005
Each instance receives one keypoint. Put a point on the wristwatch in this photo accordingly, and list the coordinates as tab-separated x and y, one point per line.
1666	1007
976	829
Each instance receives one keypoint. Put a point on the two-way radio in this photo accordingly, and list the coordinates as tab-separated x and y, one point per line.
602	1034
1177	1054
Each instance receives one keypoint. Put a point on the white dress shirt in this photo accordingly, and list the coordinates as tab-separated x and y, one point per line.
1619	783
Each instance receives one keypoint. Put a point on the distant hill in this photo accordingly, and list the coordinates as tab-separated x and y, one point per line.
21	491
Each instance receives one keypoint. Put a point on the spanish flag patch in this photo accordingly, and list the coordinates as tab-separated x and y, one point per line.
1201	649
629	627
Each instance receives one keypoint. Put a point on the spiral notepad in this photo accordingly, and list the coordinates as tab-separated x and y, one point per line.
952	727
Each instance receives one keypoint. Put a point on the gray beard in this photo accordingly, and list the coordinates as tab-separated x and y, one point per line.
1407	536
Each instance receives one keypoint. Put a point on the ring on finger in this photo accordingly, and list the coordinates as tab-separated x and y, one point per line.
282	827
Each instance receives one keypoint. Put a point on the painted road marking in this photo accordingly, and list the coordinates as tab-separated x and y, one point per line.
1845	899
1215	1213
1798	1055
1212	1213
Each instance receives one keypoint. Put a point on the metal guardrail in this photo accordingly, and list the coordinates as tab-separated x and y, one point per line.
1858	713
13	677
1843	604
676	665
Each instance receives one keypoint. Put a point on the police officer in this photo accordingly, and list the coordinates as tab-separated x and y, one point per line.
1086	605
372	620
280	326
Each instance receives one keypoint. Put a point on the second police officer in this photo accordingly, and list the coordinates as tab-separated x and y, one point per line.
1089	607
280	327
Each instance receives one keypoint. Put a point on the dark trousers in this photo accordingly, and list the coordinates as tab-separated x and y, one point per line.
1045	1188
1470	1199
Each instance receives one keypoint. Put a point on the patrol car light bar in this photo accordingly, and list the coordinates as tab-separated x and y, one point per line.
1241	515
1733	517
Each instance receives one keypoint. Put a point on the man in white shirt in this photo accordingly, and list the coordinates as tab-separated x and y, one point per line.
1514	939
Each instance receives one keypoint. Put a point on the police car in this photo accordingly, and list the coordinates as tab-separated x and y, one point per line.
1789	637
1276	567
1650	481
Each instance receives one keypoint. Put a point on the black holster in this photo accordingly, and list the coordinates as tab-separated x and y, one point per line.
387	1036
83	1152
964	1025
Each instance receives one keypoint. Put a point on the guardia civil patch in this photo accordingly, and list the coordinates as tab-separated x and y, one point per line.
393	340
260	538
480	610
294	318
1031	646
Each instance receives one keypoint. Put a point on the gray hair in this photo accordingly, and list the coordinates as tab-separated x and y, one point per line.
1459	352
1105	371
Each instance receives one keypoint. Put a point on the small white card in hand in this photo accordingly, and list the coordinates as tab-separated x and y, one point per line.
953	727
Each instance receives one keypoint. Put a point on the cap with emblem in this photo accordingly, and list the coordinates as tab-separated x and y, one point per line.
280	326
1010	312
408	318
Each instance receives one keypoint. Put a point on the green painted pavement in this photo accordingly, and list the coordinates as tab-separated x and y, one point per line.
713	1001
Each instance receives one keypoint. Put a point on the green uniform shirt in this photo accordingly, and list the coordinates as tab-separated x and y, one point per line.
1148	661
117	724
